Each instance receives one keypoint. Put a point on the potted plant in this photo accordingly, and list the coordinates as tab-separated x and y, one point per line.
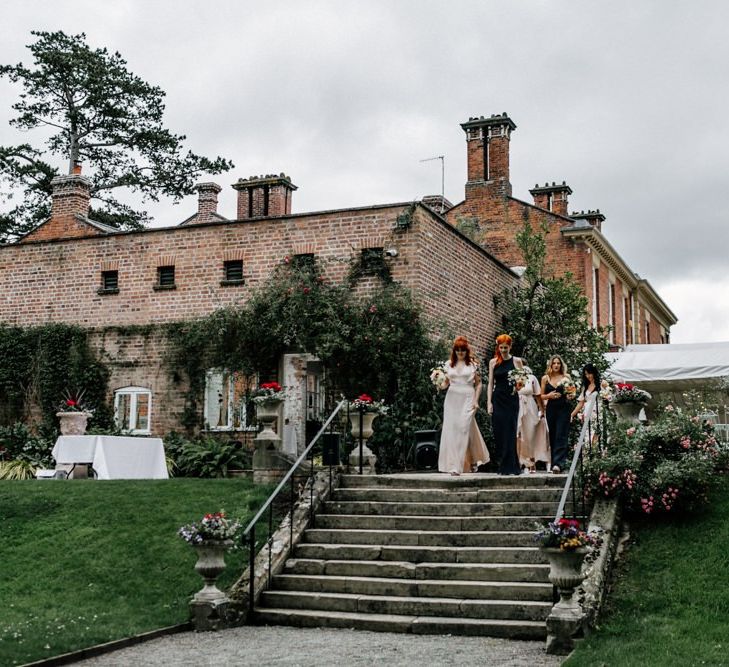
267	399
211	538
565	545
628	400
363	411
73	414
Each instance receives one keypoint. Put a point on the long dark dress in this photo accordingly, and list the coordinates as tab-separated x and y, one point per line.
504	419
558	423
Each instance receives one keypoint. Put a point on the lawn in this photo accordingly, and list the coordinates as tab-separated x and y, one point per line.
85	562
670	605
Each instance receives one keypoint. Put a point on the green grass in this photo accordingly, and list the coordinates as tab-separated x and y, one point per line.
670	605
84	562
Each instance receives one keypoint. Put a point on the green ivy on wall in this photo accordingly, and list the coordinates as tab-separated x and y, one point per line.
39	364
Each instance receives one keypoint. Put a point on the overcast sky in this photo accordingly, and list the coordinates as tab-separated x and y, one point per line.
624	100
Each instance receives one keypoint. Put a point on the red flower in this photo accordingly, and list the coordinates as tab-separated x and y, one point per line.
307	290
71	403
274	386
364	398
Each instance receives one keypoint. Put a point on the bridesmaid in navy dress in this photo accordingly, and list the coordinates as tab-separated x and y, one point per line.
503	406
557	412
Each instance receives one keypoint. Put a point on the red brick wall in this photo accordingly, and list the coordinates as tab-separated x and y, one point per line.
457	283
58	281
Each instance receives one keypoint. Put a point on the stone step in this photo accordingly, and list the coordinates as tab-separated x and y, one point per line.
402	623
420	554
473	590
476	495
440	480
430	523
506	572
443	509
436	538
389	604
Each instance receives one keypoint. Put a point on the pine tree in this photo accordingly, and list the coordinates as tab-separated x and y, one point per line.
94	112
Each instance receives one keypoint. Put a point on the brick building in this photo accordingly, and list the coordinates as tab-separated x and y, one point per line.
618	297
71	269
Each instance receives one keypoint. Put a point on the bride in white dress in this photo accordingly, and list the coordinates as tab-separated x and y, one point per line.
462	448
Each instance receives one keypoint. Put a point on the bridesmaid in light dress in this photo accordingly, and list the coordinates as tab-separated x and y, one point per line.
462	448
531	439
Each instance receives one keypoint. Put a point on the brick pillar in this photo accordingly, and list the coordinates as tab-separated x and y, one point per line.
594	218
487	148
70	196
264	196
553	197
207	201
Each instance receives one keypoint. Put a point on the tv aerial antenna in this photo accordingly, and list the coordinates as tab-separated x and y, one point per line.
442	177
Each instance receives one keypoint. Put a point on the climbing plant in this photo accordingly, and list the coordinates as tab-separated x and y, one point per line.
376	342
39	364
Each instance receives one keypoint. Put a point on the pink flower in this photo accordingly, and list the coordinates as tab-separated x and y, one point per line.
373	308
631	431
669	408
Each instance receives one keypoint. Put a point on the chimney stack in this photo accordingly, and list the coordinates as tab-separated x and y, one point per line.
70	196
594	218
487	141
552	197
264	196
207	201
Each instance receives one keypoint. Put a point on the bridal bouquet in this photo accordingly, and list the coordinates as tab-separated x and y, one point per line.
567	387
518	377
606	391
438	376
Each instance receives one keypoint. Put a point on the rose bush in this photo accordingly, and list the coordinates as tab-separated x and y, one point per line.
666	466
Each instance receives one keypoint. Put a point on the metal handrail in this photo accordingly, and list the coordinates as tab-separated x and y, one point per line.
590	406
250	532
294	466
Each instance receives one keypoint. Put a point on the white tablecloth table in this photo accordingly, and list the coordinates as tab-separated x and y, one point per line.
114	457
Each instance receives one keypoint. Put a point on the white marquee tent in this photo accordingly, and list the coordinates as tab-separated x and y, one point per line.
674	367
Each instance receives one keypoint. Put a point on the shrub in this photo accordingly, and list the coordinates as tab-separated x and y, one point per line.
204	457
666	466
17	443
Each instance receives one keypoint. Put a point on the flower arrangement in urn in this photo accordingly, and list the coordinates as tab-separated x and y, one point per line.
565	535
74	402
268	392
629	393
366	403
215	527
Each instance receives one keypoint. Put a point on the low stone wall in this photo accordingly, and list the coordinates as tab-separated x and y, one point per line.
607	518
281	545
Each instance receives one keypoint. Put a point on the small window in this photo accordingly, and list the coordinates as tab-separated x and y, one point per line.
373	259
133	410
305	261
227	407
109	282
165	278
233	272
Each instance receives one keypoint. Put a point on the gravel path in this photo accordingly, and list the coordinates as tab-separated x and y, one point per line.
303	647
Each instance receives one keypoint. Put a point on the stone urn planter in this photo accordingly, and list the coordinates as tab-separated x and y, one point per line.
73	423
267	414
565	572
628	411
210	565
362	422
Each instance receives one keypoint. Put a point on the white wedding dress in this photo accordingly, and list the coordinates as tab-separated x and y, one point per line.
461	443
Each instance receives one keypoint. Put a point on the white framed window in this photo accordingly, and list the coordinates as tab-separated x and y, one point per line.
133	410
595	297
226	406
611	312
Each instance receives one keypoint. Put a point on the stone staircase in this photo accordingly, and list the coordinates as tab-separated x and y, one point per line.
422	553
